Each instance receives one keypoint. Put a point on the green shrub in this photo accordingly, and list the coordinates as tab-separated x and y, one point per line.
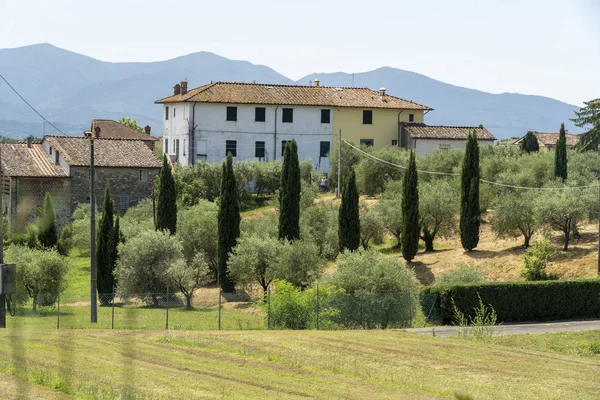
464	274
65	241
524	301
536	259
478	327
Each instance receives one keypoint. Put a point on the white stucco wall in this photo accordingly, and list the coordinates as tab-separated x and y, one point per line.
61	160
213	130
427	146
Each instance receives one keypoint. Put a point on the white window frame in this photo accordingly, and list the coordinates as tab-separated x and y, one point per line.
144	175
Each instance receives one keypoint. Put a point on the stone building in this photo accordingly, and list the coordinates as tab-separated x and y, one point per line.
60	165
109	129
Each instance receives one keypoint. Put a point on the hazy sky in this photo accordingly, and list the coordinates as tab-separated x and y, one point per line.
545	47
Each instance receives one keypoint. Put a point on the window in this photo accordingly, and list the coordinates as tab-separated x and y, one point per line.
394	143
366	142
231	147
124	203
411	117
143	175
231	113
50	150
283	143
259	149
56	157
184	145
167	112
287	115
325	148
173	112
325	116
367	117
166	146
444	147
260	114
177	147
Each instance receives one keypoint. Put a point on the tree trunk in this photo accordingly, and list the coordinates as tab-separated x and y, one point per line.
526	243
567	234
428	238
188	301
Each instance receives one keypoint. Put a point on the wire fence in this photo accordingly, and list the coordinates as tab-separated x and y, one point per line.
311	309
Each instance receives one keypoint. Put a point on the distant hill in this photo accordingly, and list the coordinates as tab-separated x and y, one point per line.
70	89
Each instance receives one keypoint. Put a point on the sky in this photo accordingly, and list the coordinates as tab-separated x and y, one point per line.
542	47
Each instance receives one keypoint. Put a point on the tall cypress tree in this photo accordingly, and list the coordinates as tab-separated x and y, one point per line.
469	196
166	217
47	234
349	218
560	155
106	256
530	143
289	194
229	224
410	211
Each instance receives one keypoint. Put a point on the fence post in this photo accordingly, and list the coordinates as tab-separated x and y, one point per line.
410	309
269	308
112	325
317	306
219	310
167	317
58	313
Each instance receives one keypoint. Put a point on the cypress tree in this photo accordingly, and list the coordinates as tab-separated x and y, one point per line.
560	155
47	234
348	217
289	194
410	211
229	224
530	143
166	217
469	196
105	249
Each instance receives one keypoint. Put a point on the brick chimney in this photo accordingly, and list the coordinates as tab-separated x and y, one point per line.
97	131
176	89
183	87
29	141
147	129
317	82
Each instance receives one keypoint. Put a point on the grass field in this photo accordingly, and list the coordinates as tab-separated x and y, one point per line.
292	364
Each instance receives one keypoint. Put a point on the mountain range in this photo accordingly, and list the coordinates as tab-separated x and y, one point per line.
71	89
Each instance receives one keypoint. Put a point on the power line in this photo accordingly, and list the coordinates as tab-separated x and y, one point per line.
30	106
456	174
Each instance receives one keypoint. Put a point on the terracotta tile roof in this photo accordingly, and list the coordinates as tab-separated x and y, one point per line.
293	95
422	131
110	129
550	138
34	161
107	152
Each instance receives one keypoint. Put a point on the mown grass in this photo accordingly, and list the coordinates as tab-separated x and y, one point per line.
286	364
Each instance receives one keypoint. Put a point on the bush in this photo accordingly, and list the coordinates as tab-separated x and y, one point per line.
464	274
536	259
29	238
320	226
65	241
524	301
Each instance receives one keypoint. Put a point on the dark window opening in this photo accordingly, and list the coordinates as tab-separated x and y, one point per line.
166	112
411	117
367	142
166	146
231	113
325	116
231	147
260	114
174	112
288	115
283	143
259	149
394	143
56	157
50	150
325	148
367	117
177	148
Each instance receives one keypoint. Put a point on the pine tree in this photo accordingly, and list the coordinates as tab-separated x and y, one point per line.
469	201
47	233
560	155
530	143
229	224
289	194
106	250
589	115
166	217
410	211
348	218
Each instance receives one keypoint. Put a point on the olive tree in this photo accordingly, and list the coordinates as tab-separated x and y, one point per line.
438	208
389	207
514	215
371	224
197	232
301	263
189	275
320	226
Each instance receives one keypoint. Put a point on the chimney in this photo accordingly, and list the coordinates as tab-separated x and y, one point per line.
317	82
183	87
382	92
176	89
29	141
147	129
97	131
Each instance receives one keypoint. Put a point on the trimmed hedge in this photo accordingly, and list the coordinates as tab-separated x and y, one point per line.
523	301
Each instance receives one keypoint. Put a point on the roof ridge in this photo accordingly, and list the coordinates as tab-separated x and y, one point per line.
423	124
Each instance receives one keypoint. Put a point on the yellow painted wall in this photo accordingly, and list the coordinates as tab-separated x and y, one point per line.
383	130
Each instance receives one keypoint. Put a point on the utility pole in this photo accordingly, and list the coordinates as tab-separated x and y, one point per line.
93	272
2	296
598	227
338	192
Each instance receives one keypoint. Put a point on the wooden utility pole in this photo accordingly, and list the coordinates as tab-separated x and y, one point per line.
599	227
93	272
2	296
338	192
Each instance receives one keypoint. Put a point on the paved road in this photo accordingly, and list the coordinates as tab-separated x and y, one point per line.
518	329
